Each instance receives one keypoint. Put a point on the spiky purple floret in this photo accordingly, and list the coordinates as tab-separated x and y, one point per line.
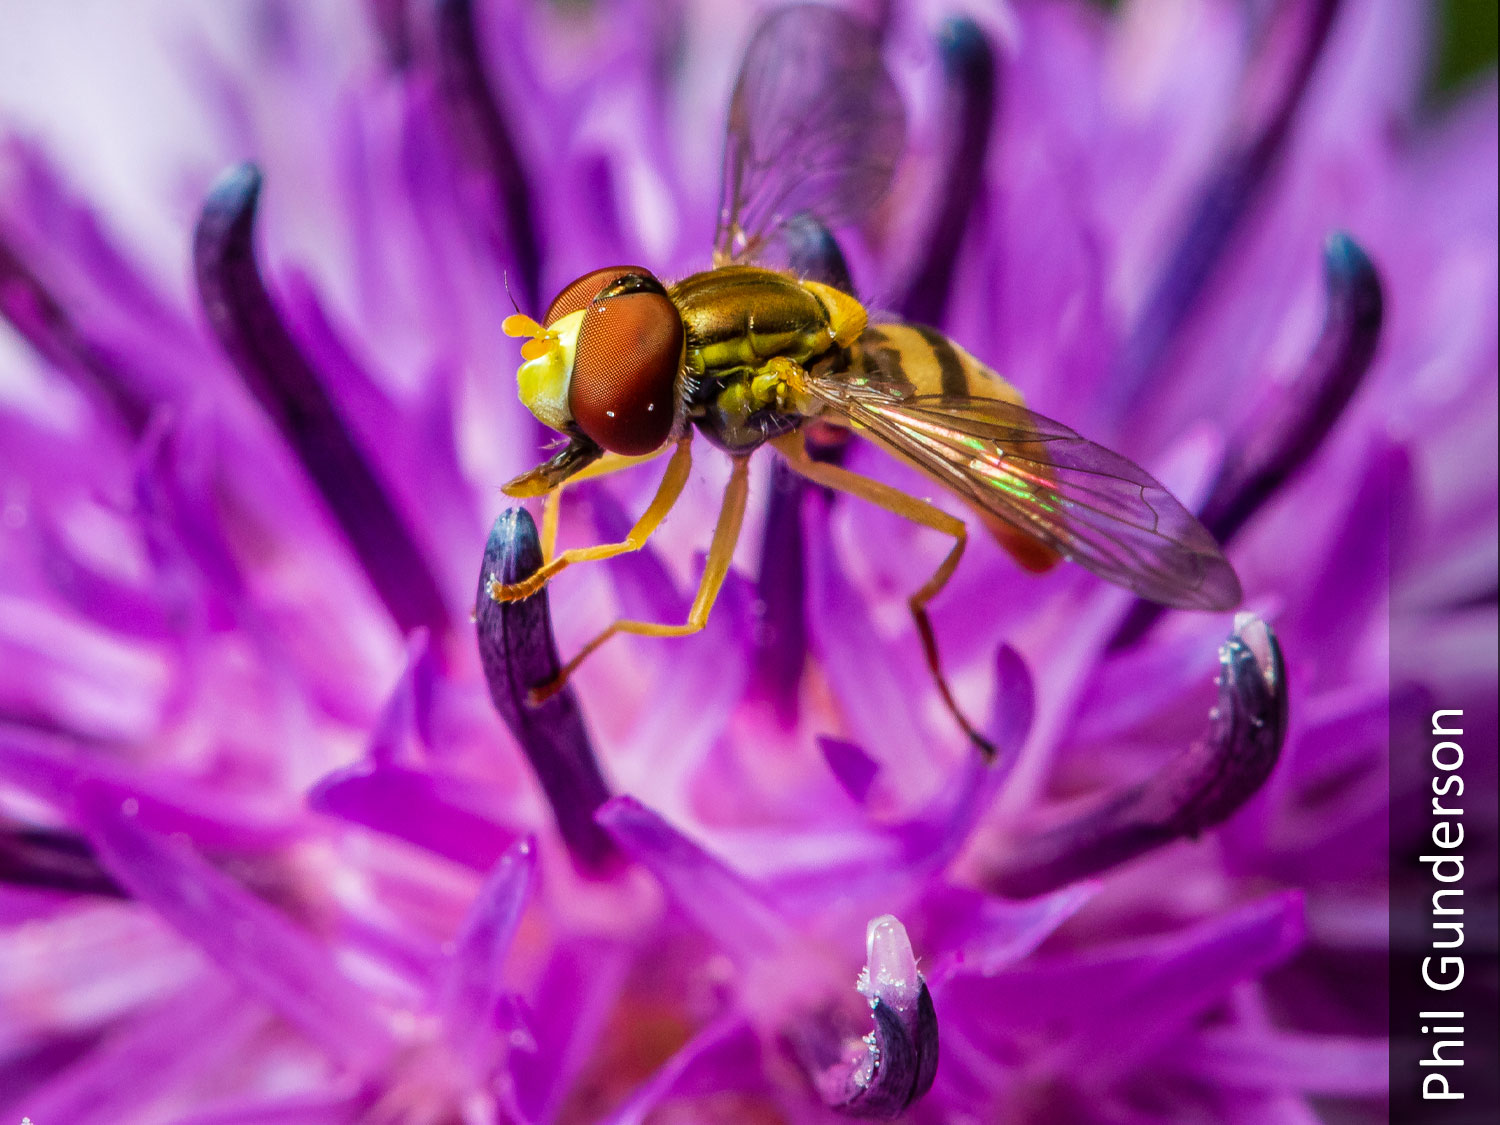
1194	791
519	654
293	394
971	79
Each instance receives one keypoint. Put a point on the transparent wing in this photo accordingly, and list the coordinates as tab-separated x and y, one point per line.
1087	504
816	126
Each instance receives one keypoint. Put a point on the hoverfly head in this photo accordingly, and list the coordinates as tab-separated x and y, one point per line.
605	360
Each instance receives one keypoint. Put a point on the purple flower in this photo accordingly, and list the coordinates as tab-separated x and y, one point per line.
281	838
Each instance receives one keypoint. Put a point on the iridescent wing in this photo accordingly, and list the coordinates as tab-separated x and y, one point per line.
1089	505
816	126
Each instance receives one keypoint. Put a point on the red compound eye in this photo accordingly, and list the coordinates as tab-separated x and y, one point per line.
625	368
579	292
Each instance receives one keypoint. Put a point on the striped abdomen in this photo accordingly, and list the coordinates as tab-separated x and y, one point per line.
912	359
925	362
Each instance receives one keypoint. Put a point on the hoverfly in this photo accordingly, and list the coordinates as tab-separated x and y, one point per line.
627	367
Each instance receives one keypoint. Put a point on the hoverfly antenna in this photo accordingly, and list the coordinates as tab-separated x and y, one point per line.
505	281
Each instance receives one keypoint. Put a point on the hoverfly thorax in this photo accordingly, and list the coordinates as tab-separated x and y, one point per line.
605	360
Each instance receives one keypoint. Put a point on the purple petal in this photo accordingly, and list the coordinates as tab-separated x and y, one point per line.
484	142
1272	92
335	1107
54	768
295	397
92	588
575	999
1352	576
406	717
698	697
1281	1060
852	767
981	934
1102	1011
43	322
931	839
470	992
1014	707
150	1055
1270	451
407	435
253	943
714	1059
390	18
1261	461
643	583
51	859
780	634
971	78
872	680
1198	789
175	489
715	896
440	813
519	653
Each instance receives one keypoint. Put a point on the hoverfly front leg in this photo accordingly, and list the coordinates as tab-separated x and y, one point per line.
715	570
552	505
919	512
667	492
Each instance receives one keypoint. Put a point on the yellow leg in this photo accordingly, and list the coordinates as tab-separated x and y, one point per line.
551	507
919	512
720	552
667	492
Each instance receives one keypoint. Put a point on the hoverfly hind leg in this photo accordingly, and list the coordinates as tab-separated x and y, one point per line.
918	512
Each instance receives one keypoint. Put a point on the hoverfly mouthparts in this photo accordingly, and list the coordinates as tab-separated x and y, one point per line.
547	368
605	360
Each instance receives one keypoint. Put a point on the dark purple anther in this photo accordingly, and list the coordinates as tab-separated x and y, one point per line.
250	329
1268	452
1201	787
780	595
1262	459
972	78
781	627
52	860
883	1074
484	142
1271	93
519	653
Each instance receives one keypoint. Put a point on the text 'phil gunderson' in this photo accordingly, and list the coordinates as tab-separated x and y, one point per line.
1443	972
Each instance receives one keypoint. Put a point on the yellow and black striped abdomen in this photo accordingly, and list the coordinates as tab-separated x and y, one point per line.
923	361
913	360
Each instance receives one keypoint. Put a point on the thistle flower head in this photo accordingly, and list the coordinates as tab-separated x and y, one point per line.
284	834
